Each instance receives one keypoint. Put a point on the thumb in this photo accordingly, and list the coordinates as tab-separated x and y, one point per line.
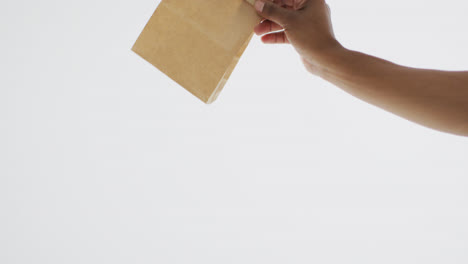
272	11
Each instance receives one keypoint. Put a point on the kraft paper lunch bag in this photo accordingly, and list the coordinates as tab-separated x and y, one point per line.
198	43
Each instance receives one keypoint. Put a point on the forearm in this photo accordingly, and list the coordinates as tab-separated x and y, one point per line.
436	99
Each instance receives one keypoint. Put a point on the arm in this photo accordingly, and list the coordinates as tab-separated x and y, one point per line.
435	99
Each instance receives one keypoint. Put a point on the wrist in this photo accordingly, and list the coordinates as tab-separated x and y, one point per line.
328	59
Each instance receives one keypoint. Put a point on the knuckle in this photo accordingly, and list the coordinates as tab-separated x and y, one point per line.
289	19
268	9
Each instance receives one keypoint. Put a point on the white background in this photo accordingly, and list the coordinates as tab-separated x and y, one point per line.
103	159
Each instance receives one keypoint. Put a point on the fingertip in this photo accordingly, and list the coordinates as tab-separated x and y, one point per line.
257	29
266	39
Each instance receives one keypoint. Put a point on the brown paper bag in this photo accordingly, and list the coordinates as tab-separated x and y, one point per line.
197	43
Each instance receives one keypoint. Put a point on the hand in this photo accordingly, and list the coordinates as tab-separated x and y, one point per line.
436	99
306	24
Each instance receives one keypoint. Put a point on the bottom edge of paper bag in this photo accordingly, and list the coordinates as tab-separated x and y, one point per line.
206	100
215	93
228	72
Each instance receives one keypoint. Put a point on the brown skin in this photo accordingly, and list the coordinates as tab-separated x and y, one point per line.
435	99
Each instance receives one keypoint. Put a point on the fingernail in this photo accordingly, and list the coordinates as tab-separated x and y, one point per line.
259	5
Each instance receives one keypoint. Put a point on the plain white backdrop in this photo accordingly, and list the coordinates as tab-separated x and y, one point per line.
103	159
